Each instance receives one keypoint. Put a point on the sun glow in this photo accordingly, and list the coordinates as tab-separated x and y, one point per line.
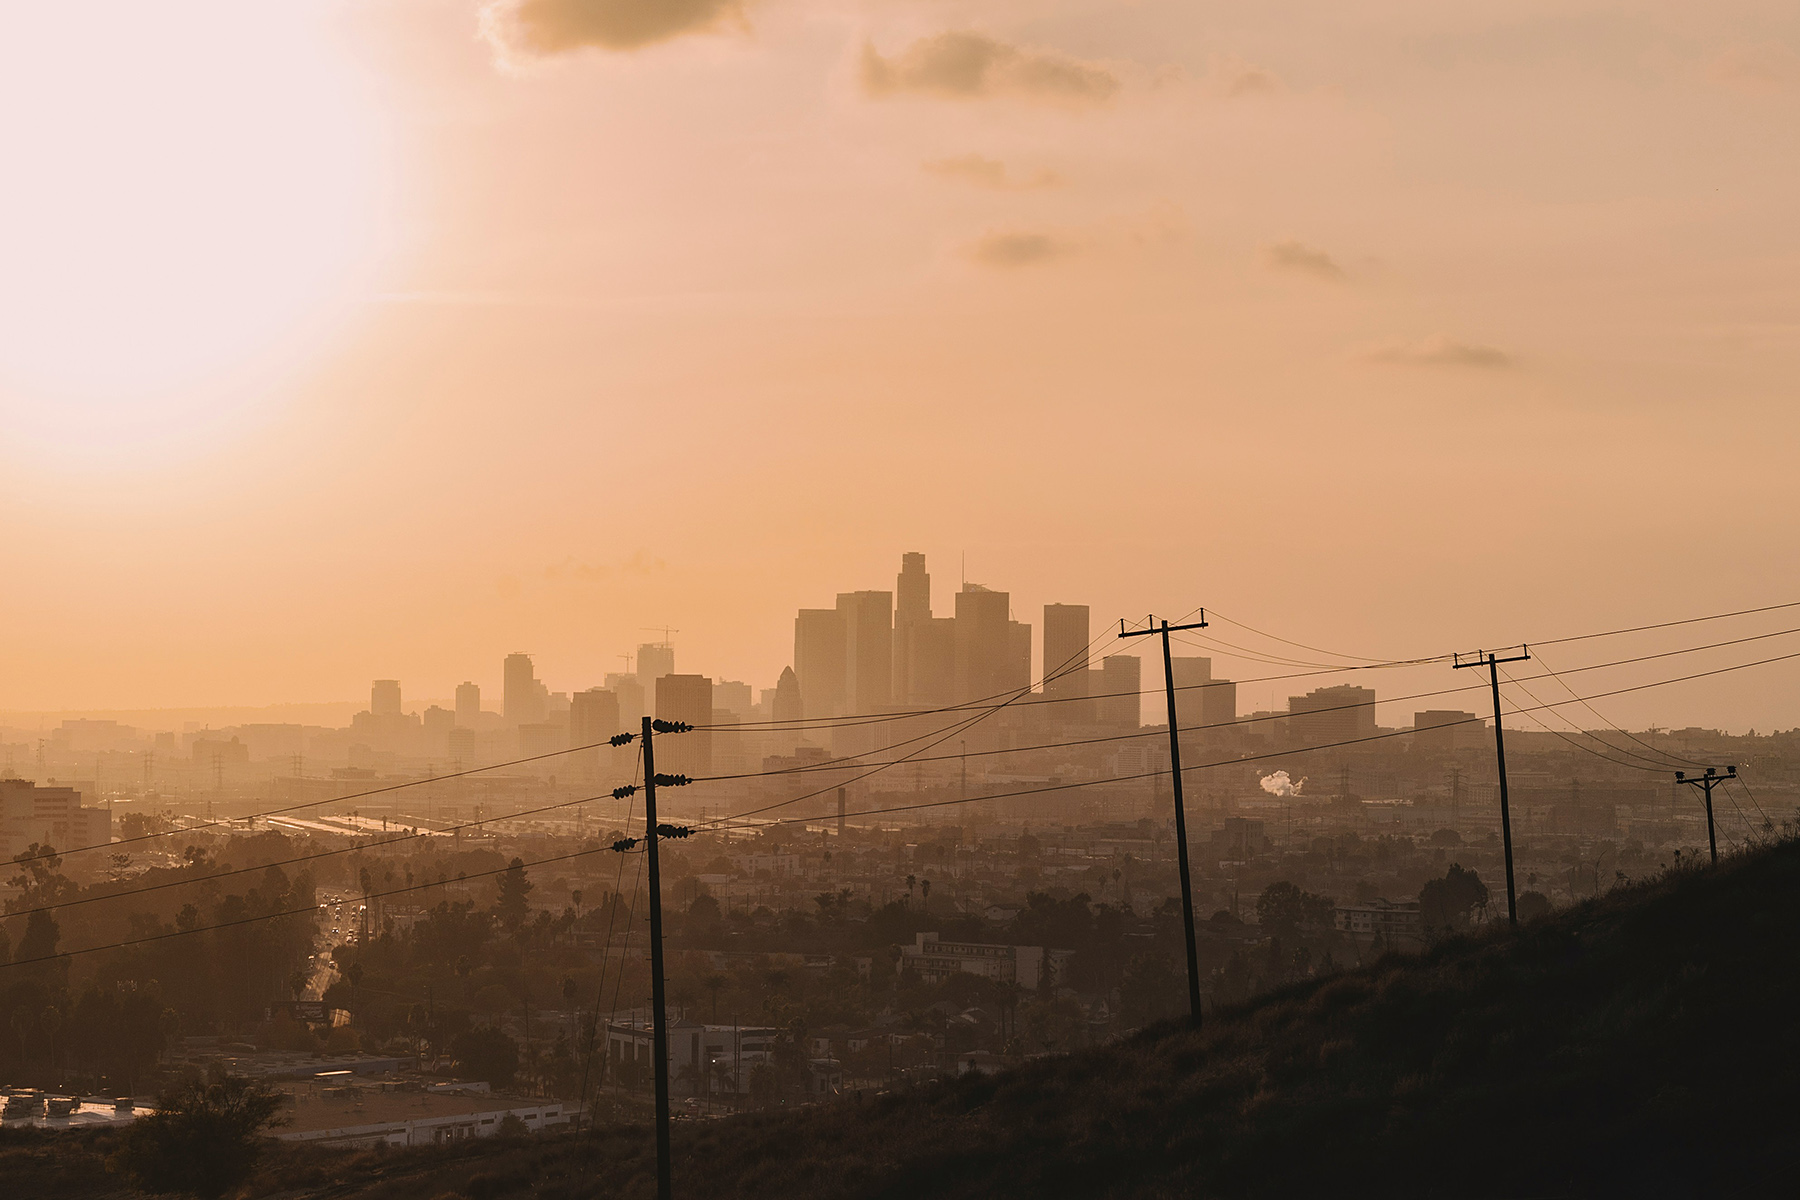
192	190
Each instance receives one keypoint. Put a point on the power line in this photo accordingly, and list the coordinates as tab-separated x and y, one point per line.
1250	758
1742	612
312	909
951	731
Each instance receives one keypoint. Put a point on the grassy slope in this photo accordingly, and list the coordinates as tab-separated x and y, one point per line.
1644	1044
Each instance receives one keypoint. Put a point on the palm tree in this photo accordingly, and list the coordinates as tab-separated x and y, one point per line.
911	882
925	890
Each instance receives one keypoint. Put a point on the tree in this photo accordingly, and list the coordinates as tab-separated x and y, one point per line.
486	1054
512	904
1284	911
1446	903
1533	905
203	1138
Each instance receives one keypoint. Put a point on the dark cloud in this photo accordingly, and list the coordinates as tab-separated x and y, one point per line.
964	65
1441	351
1297	256
541	27
1016	249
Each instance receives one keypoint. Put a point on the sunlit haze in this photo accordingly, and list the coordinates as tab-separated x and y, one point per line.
378	340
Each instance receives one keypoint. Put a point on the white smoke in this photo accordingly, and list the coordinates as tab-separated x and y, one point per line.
1277	783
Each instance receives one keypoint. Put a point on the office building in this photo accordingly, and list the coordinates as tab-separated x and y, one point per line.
1115	691
593	718
868	619
524	700
819	662
1066	640
912	611
468	704
384	698
1327	716
654	660
1191	676
48	816
1443	731
685	698
985	647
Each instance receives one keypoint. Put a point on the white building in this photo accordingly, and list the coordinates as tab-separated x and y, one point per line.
937	960
363	1116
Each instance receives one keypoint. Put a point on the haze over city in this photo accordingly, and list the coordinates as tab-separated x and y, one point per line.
875	598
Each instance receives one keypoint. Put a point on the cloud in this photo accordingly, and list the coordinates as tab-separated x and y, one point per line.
1008	250
987	173
1297	256
962	65
1251	81
544	27
1441	351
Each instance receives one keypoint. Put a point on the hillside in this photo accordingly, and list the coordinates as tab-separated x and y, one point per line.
1643	1044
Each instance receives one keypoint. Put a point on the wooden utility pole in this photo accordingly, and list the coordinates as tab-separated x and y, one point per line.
1181	840
1492	662
659	1014
1706	783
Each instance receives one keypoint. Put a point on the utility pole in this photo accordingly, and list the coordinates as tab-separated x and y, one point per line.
1706	783
1492	662
1181	840
659	1015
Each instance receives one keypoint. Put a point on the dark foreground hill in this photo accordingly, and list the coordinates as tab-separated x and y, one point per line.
1643	1044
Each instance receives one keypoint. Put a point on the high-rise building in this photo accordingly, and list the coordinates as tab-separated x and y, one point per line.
684	698
1192	675
654	660
1332	714
593	718
985	644
1218	708
468	704
524	700
384	698
868	619
1116	691
1066	640
819	661
734	697
788	706
630	691
912	612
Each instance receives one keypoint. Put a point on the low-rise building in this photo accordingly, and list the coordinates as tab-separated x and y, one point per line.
1390	922
936	960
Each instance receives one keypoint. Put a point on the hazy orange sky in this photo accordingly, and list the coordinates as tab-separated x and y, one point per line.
379	339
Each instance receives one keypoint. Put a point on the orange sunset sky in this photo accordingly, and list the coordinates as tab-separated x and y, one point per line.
344	340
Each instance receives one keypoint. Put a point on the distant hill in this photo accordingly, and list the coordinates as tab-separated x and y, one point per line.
1643	1044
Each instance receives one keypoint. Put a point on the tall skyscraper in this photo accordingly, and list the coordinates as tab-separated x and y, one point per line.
1116	698
912	613
468	704
524	700
1066	639
593	718
384	698
1191	677
684	698
630	691
654	660
868	619
985	644
819	661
